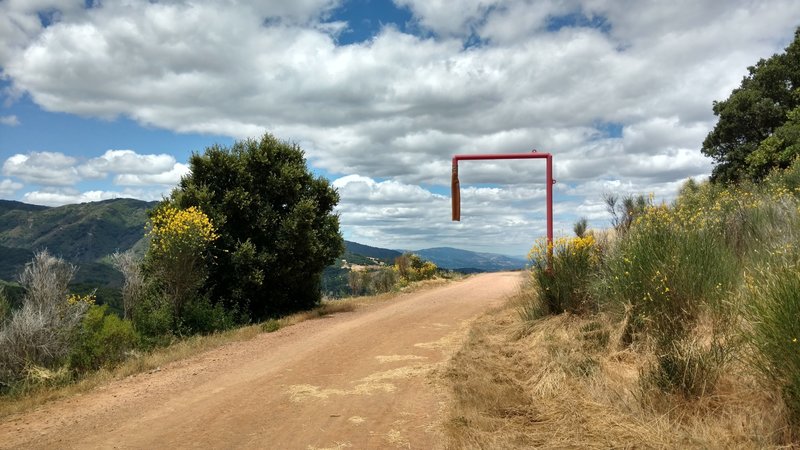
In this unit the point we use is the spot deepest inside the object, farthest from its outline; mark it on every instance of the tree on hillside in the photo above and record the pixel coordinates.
(754, 113)
(275, 221)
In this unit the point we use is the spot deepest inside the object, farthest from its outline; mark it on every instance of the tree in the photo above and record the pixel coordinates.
(277, 230)
(753, 113)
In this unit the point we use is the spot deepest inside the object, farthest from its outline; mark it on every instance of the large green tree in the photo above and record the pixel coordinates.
(275, 220)
(755, 112)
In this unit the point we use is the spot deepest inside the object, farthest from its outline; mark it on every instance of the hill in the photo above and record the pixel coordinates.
(381, 254)
(465, 260)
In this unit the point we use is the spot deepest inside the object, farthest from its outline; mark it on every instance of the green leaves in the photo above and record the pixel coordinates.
(275, 220)
(756, 130)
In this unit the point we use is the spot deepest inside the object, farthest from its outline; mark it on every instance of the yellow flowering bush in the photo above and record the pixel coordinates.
(75, 299)
(179, 239)
(173, 231)
(563, 284)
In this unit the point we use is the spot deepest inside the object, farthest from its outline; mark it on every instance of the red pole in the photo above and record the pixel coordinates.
(549, 189)
(456, 197)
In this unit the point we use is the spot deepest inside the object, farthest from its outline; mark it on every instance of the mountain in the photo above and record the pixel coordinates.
(82, 234)
(457, 259)
(382, 254)
(79, 233)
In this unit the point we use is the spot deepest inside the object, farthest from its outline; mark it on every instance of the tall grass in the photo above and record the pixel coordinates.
(713, 276)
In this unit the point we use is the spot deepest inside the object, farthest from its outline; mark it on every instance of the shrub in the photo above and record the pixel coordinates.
(200, 315)
(153, 319)
(276, 221)
(666, 272)
(772, 307)
(564, 285)
(271, 325)
(178, 243)
(134, 287)
(40, 332)
(103, 340)
(5, 306)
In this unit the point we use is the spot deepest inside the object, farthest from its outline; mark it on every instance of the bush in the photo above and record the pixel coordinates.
(666, 272)
(176, 257)
(276, 224)
(40, 332)
(134, 287)
(102, 341)
(153, 320)
(202, 316)
(772, 307)
(564, 286)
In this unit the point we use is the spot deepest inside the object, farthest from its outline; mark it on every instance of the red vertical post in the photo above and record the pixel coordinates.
(549, 189)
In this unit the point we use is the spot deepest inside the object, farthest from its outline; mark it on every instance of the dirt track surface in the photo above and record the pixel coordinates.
(365, 379)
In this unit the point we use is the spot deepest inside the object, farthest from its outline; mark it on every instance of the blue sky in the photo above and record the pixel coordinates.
(108, 99)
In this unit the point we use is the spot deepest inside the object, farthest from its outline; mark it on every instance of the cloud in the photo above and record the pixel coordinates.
(64, 196)
(8, 187)
(126, 162)
(11, 121)
(43, 168)
(619, 92)
(406, 216)
(169, 177)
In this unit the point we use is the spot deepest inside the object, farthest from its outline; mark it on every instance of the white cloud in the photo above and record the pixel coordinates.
(11, 121)
(65, 196)
(169, 177)
(8, 187)
(44, 168)
(397, 106)
(126, 162)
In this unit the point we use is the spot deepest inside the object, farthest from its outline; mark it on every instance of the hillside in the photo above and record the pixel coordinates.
(79, 233)
(382, 254)
(457, 259)
(86, 233)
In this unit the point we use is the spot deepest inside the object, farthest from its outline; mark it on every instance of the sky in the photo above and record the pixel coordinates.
(103, 99)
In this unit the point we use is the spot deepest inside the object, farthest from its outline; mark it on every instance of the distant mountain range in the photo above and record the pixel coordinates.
(467, 261)
(85, 234)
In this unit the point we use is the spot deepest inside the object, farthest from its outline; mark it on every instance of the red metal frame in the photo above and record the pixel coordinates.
(456, 192)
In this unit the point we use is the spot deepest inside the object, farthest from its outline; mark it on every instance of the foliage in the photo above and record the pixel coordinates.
(134, 287)
(200, 315)
(624, 210)
(5, 305)
(773, 307)
(580, 227)
(103, 340)
(757, 128)
(271, 325)
(410, 267)
(372, 281)
(178, 241)
(668, 270)
(41, 331)
(154, 320)
(277, 230)
(563, 284)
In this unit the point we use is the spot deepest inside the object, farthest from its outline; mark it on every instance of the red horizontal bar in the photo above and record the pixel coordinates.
(500, 156)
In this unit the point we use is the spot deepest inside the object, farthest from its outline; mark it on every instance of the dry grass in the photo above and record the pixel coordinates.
(565, 382)
(188, 347)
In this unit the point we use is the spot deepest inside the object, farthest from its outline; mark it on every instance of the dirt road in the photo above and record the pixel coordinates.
(364, 379)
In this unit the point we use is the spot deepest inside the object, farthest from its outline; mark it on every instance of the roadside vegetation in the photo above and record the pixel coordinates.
(681, 330)
(240, 245)
(679, 326)
(242, 240)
